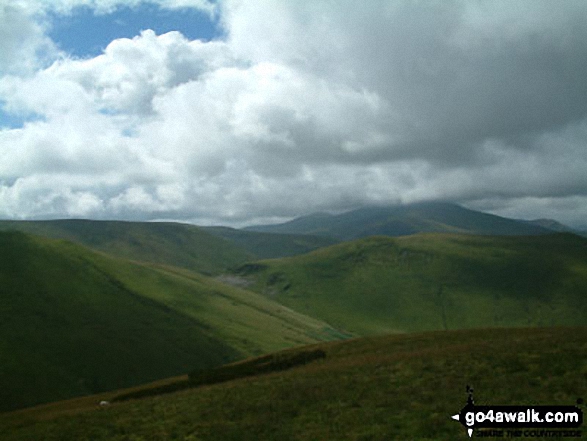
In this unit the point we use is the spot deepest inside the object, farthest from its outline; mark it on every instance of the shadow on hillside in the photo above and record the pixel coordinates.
(257, 366)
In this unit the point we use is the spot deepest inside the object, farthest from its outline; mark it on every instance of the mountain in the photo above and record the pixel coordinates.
(433, 281)
(75, 321)
(552, 225)
(270, 245)
(403, 220)
(209, 250)
(167, 243)
(403, 387)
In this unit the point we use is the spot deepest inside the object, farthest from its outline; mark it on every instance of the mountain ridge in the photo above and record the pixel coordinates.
(272, 245)
(210, 250)
(403, 220)
(554, 225)
(170, 243)
(429, 281)
(76, 321)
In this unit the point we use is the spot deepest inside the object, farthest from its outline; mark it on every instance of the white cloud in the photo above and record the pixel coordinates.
(108, 6)
(131, 72)
(48, 195)
(23, 43)
(305, 106)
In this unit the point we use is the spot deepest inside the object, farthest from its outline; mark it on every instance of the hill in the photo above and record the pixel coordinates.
(208, 250)
(390, 387)
(167, 243)
(74, 321)
(433, 281)
(271, 245)
(553, 225)
(403, 220)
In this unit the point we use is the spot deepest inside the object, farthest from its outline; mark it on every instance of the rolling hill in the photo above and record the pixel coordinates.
(433, 281)
(377, 388)
(74, 321)
(403, 220)
(129, 302)
(271, 245)
(167, 243)
(208, 250)
(553, 225)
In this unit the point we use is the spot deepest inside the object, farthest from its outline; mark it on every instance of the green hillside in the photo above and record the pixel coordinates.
(74, 321)
(168, 243)
(271, 245)
(402, 387)
(433, 281)
(403, 220)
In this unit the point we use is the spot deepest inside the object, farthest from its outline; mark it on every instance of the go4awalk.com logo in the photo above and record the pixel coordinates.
(520, 421)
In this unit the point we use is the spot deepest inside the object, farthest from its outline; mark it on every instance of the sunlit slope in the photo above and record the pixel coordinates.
(434, 281)
(248, 322)
(159, 242)
(74, 321)
(402, 387)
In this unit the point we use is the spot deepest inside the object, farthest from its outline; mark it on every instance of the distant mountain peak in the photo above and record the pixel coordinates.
(402, 220)
(550, 224)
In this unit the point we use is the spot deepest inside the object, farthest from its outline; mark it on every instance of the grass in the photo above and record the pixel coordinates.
(271, 245)
(167, 243)
(247, 321)
(433, 281)
(376, 388)
(274, 362)
(74, 322)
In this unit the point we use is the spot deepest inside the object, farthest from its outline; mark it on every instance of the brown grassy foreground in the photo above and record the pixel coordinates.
(391, 387)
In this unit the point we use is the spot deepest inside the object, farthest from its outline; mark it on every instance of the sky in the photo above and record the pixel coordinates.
(239, 112)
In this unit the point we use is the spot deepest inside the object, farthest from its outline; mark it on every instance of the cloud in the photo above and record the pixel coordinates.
(451, 72)
(23, 43)
(108, 6)
(131, 72)
(305, 106)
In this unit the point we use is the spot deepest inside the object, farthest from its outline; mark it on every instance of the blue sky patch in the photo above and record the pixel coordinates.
(16, 120)
(86, 34)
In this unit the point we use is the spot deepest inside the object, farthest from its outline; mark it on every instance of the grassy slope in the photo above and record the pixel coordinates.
(74, 321)
(434, 281)
(248, 322)
(271, 245)
(392, 387)
(159, 242)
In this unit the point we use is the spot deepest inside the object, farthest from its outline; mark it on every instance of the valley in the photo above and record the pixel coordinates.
(433, 281)
(75, 321)
(95, 310)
